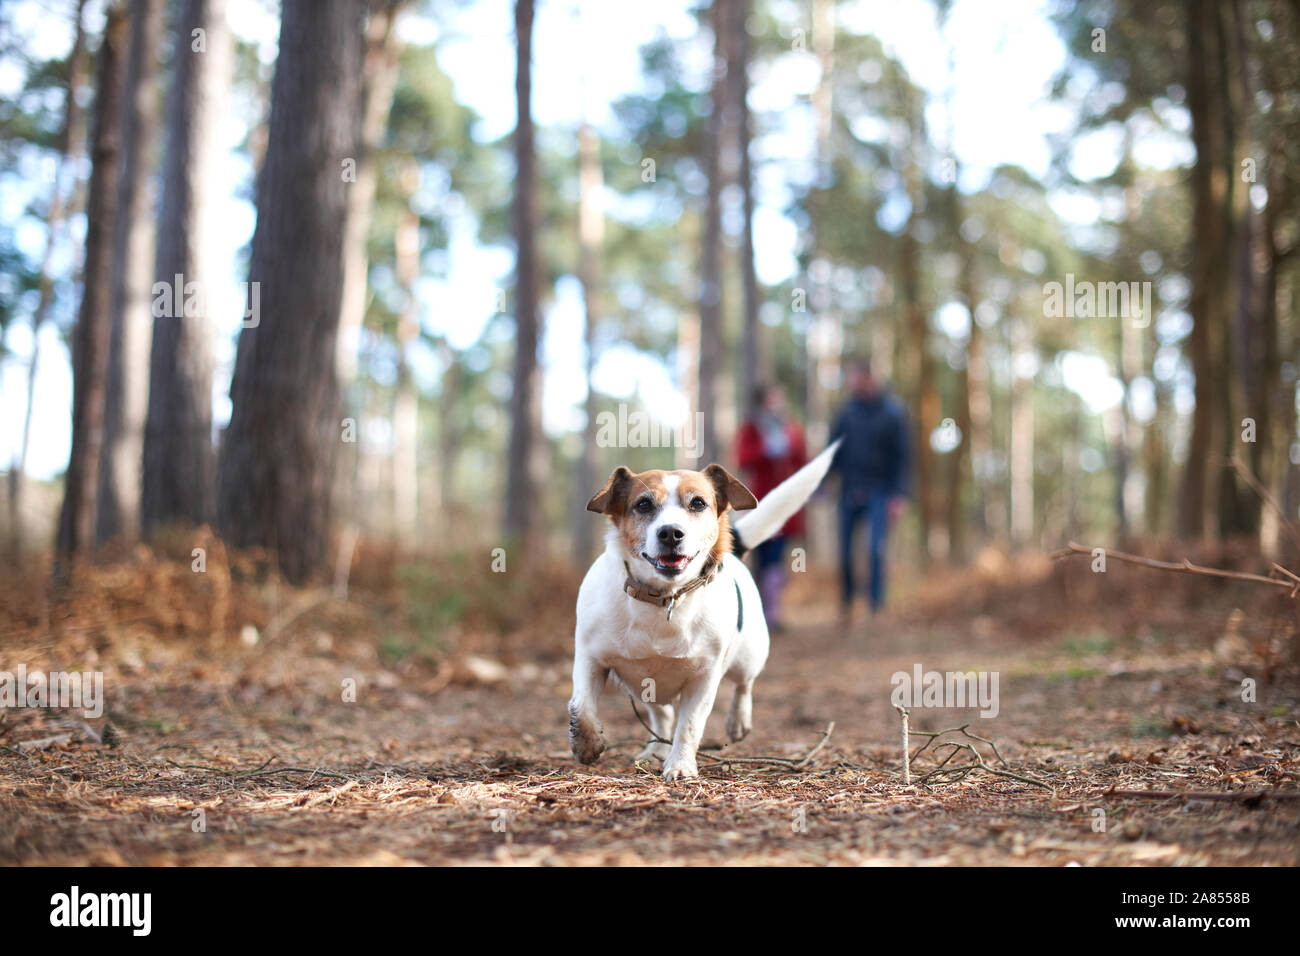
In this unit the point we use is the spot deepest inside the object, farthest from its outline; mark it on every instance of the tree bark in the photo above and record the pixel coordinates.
(591, 241)
(925, 404)
(1198, 504)
(276, 461)
(959, 459)
(1022, 440)
(752, 354)
(179, 463)
(383, 49)
(127, 385)
(521, 485)
(406, 402)
(76, 532)
(710, 295)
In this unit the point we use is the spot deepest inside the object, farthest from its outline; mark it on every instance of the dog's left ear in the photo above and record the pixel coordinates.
(611, 499)
(730, 489)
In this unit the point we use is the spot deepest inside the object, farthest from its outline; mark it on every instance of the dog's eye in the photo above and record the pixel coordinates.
(698, 504)
(645, 506)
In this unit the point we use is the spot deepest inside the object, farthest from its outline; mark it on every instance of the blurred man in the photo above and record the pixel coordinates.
(873, 467)
(769, 449)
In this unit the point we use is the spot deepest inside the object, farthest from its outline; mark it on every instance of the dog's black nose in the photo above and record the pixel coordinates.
(670, 534)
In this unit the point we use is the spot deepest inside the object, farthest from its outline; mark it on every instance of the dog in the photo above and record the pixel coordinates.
(669, 609)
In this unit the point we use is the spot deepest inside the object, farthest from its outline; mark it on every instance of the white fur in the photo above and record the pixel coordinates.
(674, 667)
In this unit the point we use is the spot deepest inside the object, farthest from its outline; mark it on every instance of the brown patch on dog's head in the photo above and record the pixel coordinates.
(660, 515)
(620, 499)
(612, 499)
(725, 492)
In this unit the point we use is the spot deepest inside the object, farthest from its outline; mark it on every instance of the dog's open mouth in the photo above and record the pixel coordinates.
(668, 564)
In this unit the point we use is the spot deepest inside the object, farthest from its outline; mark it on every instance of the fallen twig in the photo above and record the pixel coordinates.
(943, 773)
(1184, 567)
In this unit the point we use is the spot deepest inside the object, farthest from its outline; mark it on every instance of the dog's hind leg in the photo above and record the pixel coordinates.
(740, 715)
(661, 722)
(586, 739)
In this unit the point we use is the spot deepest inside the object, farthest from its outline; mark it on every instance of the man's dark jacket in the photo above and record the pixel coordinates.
(874, 456)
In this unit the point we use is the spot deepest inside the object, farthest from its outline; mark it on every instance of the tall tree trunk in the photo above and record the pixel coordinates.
(179, 464)
(753, 356)
(959, 459)
(1270, 461)
(126, 402)
(925, 405)
(406, 404)
(276, 461)
(1128, 337)
(992, 514)
(819, 364)
(63, 206)
(591, 240)
(383, 52)
(521, 484)
(76, 534)
(383, 49)
(1022, 440)
(711, 337)
(1198, 504)
(449, 437)
(688, 374)
(919, 366)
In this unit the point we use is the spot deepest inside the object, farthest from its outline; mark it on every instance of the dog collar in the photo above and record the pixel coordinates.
(644, 592)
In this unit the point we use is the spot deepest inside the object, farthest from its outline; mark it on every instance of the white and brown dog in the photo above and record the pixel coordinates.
(670, 609)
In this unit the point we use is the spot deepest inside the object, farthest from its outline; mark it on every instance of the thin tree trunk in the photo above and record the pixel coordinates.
(127, 385)
(64, 205)
(591, 240)
(752, 353)
(688, 374)
(711, 337)
(179, 464)
(276, 460)
(818, 336)
(1194, 508)
(1277, 430)
(959, 458)
(992, 515)
(406, 404)
(521, 486)
(1128, 336)
(1022, 441)
(76, 533)
(449, 437)
(383, 49)
(926, 398)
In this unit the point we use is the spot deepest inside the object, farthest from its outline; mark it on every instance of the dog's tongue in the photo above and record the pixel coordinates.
(677, 562)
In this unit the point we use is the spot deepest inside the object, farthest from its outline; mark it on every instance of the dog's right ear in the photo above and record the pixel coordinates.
(612, 499)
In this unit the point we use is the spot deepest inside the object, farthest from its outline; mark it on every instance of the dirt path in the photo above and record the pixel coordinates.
(480, 773)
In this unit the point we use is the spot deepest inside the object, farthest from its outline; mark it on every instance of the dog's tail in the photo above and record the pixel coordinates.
(780, 504)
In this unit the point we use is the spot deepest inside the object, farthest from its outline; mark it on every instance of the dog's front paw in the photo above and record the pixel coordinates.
(680, 770)
(585, 740)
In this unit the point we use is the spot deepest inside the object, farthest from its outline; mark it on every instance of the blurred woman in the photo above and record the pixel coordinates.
(769, 449)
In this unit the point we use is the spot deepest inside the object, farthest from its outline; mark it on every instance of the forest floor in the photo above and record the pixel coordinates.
(239, 750)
